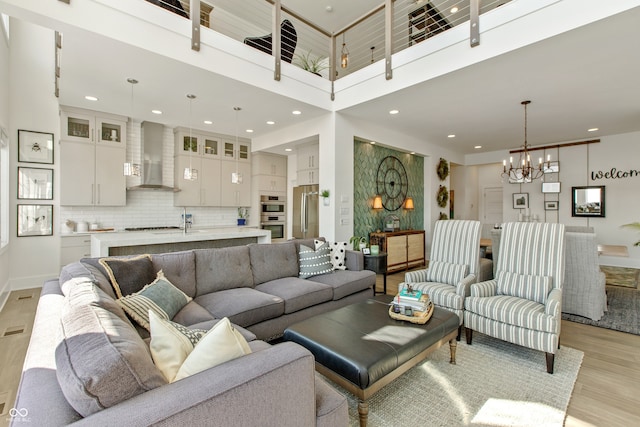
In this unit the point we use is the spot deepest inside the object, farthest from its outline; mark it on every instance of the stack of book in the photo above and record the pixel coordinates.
(412, 298)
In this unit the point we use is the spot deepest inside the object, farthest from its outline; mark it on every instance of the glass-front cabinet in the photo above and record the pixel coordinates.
(82, 127)
(237, 151)
(196, 143)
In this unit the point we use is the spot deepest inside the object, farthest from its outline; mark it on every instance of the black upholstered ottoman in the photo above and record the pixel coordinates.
(362, 349)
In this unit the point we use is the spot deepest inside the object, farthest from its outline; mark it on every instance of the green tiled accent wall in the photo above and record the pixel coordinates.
(367, 157)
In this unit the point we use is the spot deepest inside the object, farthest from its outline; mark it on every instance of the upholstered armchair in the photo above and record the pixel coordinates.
(453, 265)
(584, 291)
(522, 305)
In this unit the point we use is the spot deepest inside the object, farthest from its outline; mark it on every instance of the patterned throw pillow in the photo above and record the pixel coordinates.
(313, 263)
(129, 275)
(445, 272)
(534, 288)
(338, 253)
(160, 296)
(179, 352)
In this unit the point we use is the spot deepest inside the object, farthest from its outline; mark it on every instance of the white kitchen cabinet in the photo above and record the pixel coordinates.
(201, 144)
(74, 247)
(92, 156)
(308, 164)
(92, 175)
(269, 172)
(240, 151)
(93, 127)
(235, 194)
(203, 191)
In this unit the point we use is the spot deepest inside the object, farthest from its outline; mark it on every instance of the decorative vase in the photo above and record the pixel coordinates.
(242, 221)
(325, 201)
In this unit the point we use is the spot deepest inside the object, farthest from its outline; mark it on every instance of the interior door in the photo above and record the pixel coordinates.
(492, 208)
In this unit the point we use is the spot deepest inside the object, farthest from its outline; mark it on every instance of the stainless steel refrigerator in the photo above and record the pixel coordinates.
(305, 211)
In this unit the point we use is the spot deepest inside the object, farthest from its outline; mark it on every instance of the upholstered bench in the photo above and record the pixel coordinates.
(362, 349)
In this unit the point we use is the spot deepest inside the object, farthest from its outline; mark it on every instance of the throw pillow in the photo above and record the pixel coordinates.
(179, 353)
(129, 275)
(445, 272)
(315, 262)
(338, 254)
(100, 359)
(160, 296)
(531, 287)
(170, 344)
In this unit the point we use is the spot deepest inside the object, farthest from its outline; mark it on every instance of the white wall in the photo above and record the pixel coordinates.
(33, 107)
(4, 123)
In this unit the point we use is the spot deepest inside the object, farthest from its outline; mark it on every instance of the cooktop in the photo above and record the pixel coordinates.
(166, 227)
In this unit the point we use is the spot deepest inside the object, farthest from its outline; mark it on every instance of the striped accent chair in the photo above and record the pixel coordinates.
(523, 303)
(453, 265)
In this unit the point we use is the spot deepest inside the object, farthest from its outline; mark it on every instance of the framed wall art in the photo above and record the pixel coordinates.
(551, 205)
(588, 201)
(550, 187)
(35, 183)
(520, 200)
(35, 220)
(35, 147)
(551, 167)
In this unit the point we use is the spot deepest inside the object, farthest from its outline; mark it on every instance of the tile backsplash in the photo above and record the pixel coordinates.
(149, 209)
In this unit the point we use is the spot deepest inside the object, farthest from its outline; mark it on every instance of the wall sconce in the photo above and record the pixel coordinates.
(377, 202)
(344, 57)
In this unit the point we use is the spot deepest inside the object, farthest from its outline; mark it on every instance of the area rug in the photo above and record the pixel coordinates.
(494, 383)
(623, 312)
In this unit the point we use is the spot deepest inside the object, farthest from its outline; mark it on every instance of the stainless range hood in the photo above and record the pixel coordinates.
(151, 147)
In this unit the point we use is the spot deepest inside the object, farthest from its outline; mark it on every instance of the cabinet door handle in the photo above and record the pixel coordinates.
(98, 196)
(93, 194)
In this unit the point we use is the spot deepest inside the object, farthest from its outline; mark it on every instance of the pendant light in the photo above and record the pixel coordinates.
(130, 168)
(344, 58)
(190, 173)
(236, 177)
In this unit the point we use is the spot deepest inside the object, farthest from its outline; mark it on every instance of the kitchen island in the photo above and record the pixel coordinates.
(160, 241)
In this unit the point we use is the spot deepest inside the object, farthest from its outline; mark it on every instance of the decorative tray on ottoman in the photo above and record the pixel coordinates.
(420, 317)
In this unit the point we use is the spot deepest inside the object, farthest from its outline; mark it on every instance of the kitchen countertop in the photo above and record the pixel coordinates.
(102, 242)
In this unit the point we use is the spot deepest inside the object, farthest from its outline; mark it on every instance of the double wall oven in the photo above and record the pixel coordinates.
(273, 214)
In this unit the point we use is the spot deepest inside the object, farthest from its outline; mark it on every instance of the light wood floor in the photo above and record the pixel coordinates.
(606, 391)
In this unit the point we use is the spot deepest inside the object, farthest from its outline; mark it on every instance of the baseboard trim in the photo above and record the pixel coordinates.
(29, 282)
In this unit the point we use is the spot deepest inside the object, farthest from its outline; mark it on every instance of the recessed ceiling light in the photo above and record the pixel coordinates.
(478, 147)
(271, 122)
(156, 112)
(208, 122)
(288, 149)
(451, 136)
(249, 131)
(329, 9)
(592, 129)
(394, 112)
(454, 9)
(372, 142)
(413, 152)
(90, 98)
(296, 112)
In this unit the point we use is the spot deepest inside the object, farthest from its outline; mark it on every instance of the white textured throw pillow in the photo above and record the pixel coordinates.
(338, 254)
(179, 352)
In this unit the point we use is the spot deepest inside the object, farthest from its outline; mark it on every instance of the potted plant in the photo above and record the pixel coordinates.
(243, 214)
(635, 225)
(358, 242)
(325, 197)
(313, 64)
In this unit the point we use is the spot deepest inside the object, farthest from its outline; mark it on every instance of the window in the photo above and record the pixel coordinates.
(4, 188)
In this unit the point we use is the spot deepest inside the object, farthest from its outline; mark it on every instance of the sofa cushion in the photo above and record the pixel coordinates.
(170, 344)
(243, 306)
(531, 287)
(222, 268)
(179, 268)
(297, 293)
(338, 253)
(101, 276)
(101, 360)
(191, 314)
(273, 261)
(78, 269)
(347, 282)
(248, 335)
(160, 296)
(314, 262)
(446, 272)
(129, 275)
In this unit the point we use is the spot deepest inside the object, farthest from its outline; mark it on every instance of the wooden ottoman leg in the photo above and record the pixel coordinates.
(363, 412)
(453, 345)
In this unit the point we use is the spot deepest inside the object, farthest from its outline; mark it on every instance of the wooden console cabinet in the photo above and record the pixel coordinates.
(405, 248)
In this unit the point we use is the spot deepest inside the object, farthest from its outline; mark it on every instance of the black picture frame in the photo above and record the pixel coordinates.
(35, 220)
(588, 201)
(35, 183)
(520, 200)
(35, 147)
(551, 205)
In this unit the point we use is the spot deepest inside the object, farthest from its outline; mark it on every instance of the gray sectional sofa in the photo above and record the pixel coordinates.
(102, 372)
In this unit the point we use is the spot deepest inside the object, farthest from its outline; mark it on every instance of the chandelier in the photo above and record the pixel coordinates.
(523, 171)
